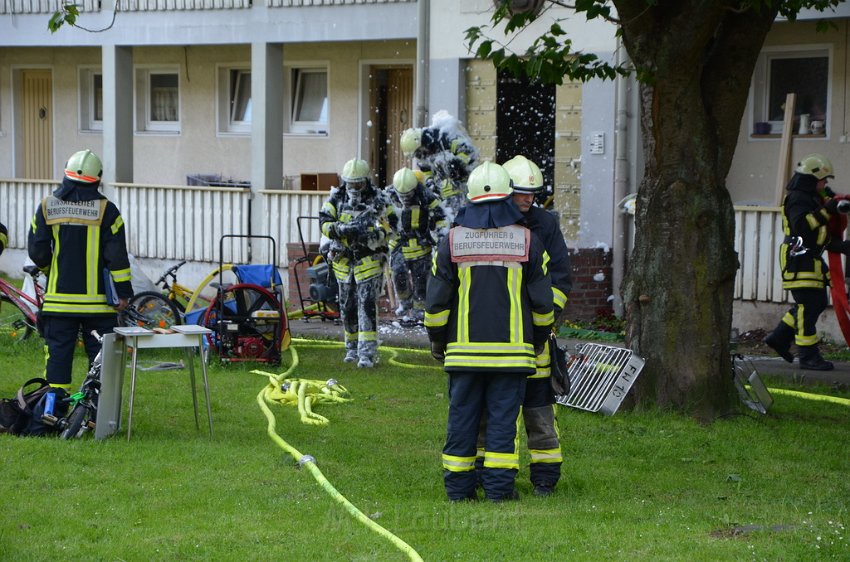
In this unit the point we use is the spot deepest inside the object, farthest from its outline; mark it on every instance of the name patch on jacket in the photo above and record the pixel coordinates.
(507, 243)
(57, 211)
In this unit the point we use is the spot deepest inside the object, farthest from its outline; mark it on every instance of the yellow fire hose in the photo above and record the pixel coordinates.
(810, 396)
(332, 393)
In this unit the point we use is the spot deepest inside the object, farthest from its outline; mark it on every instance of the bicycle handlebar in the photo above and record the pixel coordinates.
(172, 271)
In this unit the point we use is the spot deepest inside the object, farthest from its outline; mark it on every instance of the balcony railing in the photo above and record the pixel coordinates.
(45, 6)
(187, 222)
(50, 6)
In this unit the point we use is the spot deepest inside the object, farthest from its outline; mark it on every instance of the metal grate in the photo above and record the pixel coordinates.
(600, 377)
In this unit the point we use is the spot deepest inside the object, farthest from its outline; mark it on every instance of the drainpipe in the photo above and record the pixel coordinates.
(621, 242)
(422, 60)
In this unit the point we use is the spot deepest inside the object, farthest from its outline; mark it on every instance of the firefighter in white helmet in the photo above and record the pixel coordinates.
(422, 223)
(488, 314)
(78, 240)
(808, 206)
(358, 220)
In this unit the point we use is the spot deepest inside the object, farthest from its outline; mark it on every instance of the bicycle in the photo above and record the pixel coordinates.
(82, 405)
(18, 310)
(176, 304)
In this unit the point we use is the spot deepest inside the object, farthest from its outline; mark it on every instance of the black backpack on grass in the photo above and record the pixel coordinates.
(21, 415)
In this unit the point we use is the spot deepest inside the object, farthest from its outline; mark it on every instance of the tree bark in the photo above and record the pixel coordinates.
(699, 57)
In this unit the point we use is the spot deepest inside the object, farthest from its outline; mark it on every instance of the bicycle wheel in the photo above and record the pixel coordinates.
(150, 310)
(13, 322)
(76, 423)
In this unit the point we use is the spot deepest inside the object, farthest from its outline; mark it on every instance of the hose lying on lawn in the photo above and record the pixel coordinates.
(393, 351)
(266, 396)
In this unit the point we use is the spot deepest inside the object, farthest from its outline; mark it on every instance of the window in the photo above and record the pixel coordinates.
(234, 100)
(157, 100)
(91, 99)
(309, 101)
(805, 72)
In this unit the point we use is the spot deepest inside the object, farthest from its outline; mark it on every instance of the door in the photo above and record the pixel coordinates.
(37, 124)
(391, 103)
(525, 123)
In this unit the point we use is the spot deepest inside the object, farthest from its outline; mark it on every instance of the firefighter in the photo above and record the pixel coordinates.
(358, 219)
(422, 222)
(488, 315)
(4, 234)
(78, 240)
(538, 409)
(806, 210)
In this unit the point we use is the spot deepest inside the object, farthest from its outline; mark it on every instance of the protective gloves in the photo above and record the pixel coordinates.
(831, 205)
(438, 351)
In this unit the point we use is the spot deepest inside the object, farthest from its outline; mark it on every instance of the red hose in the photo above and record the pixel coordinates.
(837, 225)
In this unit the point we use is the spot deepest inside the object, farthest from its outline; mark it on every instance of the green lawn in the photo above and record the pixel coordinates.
(636, 486)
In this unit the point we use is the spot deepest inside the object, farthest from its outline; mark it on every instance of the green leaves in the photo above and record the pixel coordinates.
(68, 14)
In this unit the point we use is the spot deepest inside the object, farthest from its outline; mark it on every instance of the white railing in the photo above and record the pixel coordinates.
(176, 222)
(758, 233)
(44, 6)
(180, 5)
(172, 222)
(299, 3)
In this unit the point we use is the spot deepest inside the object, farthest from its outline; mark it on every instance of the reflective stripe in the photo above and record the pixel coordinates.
(77, 308)
(435, 319)
(116, 226)
(519, 363)
(350, 336)
(546, 455)
(514, 285)
(458, 464)
(503, 348)
(546, 260)
(559, 299)
(464, 277)
(120, 275)
(501, 460)
(542, 319)
(367, 336)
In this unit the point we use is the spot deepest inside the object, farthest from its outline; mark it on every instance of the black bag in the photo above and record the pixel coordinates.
(560, 378)
(16, 413)
(37, 425)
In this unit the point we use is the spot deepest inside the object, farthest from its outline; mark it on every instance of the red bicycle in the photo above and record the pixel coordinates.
(18, 309)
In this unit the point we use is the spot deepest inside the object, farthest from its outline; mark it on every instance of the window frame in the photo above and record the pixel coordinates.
(294, 87)
(87, 99)
(225, 102)
(760, 89)
(144, 124)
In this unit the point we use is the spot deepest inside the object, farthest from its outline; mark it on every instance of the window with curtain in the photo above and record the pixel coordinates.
(164, 97)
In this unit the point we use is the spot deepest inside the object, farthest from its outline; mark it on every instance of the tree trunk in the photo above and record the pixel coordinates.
(678, 290)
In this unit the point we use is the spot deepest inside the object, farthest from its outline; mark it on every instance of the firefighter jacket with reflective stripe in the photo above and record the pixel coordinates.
(804, 216)
(545, 225)
(359, 224)
(422, 222)
(74, 240)
(489, 311)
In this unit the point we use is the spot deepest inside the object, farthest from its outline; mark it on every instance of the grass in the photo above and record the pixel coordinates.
(637, 486)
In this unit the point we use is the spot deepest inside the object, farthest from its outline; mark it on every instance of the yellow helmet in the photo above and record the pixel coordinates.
(411, 139)
(405, 181)
(84, 166)
(816, 165)
(355, 169)
(525, 174)
(488, 182)
(420, 176)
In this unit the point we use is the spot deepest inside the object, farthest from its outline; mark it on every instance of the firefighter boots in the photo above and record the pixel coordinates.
(780, 340)
(812, 360)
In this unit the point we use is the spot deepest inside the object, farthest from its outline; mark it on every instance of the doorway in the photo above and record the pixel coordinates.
(525, 123)
(390, 112)
(36, 124)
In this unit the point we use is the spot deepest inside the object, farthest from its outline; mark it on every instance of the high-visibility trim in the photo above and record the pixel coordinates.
(62, 386)
(546, 260)
(3, 239)
(788, 320)
(492, 348)
(436, 319)
(116, 226)
(559, 298)
(434, 264)
(501, 460)
(367, 336)
(70, 308)
(546, 455)
(329, 208)
(120, 275)
(465, 281)
(479, 453)
(75, 298)
(813, 221)
(350, 336)
(81, 177)
(478, 361)
(92, 252)
(514, 278)
(458, 464)
(542, 319)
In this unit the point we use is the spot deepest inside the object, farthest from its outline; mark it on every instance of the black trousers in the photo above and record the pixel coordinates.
(60, 338)
(803, 316)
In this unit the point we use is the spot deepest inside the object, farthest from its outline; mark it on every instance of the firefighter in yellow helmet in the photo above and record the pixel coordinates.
(808, 206)
(78, 240)
(358, 219)
(538, 409)
(488, 315)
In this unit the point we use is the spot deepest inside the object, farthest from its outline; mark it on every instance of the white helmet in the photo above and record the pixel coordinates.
(411, 139)
(355, 169)
(525, 174)
(488, 182)
(84, 166)
(405, 181)
(816, 165)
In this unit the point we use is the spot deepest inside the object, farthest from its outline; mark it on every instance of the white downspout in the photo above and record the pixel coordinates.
(422, 60)
(621, 242)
